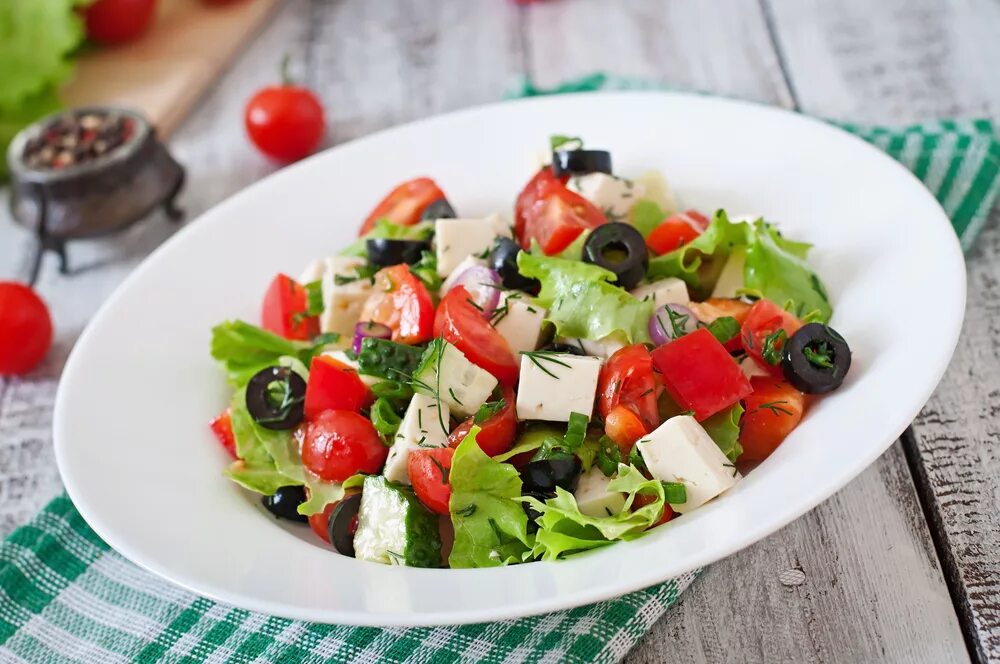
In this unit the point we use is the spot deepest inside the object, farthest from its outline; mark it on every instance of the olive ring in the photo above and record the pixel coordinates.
(280, 411)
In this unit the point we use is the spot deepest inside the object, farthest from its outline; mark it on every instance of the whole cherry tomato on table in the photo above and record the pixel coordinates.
(118, 21)
(25, 329)
(285, 121)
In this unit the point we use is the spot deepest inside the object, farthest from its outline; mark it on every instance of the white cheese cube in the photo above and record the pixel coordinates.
(680, 450)
(456, 239)
(342, 303)
(602, 348)
(731, 277)
(554, 385)
(658, 191)
(469, 261)
(341, 356)
(461, 384)
(613, 195)
(752, 368)
(666, 291)
(519, 321)
(592, 495)
(313, 272)
(420, 428)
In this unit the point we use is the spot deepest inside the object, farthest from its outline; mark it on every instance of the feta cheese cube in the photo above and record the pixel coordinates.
(731, 277)
(342, 357)
(602, 348)
(680, 450)
(519, 321)
(752, 368)
(469, 261)
(666, 291)
(313, 272)
(342, 303)
(420, 428)
(658, 191)
(592, 495)
(461, 384)
(456, 239)
(614, 195)
(554, 385)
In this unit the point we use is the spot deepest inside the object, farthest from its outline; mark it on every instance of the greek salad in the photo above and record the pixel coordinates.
(454, 391)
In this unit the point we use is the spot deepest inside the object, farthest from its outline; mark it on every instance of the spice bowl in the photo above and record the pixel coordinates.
(88, 172)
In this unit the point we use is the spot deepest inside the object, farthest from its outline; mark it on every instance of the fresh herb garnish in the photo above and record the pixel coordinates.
(635, 459)
(451, 393)
(674, 492)
(730, 465)
(771, 347)
(775, 408)
(488, 410)
(538, 356)
(558, 141)
(361, 272)
(396, 558)
(724, 328)
(441, 468)
(608, 456)
(314, 298)
(468, 510)
(819, 355)
(474, 303)
(677, 322)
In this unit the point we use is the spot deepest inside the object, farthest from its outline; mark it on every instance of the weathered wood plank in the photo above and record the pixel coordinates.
(905, 61)
(872, 587)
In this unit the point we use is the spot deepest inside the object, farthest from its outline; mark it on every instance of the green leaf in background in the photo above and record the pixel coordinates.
(386, 229)
(646, 215)
(693, 261)
(244, 349)
(724, 429)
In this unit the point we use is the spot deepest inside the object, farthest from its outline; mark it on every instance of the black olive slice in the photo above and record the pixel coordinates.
(816, 359)
(383, 252)
(284, 503)
(531, 512)
(276, 398)
(344, 523)
(503, 259)
(439, 209)
(580, 162)
(619, 248)
(545, 475)
(571, 349)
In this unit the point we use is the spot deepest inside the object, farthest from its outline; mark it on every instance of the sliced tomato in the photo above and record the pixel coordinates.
(557, 217)
(401, 301)
(717, 307)
(334, 386)
(404, 204)
(285, 308)
(699, 374)
(627, 378)
(623, 426)
(642, 499)
(463, 325)
(773, 409)
(528, 196)
(340, 443)
(496, 434)
(222, 427)
(320, 522)
(676, 231)
(760, 334)
(428, 470)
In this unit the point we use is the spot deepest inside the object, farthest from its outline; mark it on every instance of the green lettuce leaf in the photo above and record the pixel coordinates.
(581, 301)
(321, 494)
(724, 429)
(244, 349)
(259, 478)
(384, 228)
(491, 528)
(775, 268)
(699, 261)
(646, 215)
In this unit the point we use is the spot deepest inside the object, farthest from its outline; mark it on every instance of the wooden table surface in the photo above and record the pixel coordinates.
(901, 565)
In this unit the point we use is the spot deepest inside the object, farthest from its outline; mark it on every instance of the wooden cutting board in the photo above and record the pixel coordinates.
(165, 72)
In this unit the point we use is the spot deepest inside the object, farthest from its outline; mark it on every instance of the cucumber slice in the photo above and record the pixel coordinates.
(394, 528)
(446, 373)
(387, 359)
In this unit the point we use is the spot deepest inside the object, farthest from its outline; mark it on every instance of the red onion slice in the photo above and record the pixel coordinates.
(670, 322)
(366, 329)
(484, 286)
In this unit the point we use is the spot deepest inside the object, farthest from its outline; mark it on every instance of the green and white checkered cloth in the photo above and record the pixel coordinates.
(66, 596)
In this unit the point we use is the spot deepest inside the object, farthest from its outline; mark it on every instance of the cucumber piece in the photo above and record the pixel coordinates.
(387, 359)
(446, 373)
(394, 528)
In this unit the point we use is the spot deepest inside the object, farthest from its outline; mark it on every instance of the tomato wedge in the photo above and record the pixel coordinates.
(760, 334)
(404, 204)
(773, 409)
(624, 427)
(284, 310)
(334, 386)
(676, 231)
(496, 434)
(428, 470)
(401, 301)
(627, 378)
(528, 196)
(463, 325)
(222, 427)
(320, 522)
(557, 217)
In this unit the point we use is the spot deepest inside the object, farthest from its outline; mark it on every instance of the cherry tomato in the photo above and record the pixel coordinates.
(320, 522)
(773, 409)
(25, 329)
(527, 198)
(118, 21)
(627, 378)
(285, 121)
(334, 386)
(402, 302)
(463, 325)
(676, 231)
(759, 333)
(699, 374)
(405, 204)
(557, 217)
(222, 427)
(428, 470)
(496, 435)
(642, 499)
(284, 310)
(340, 443)
(624, 427)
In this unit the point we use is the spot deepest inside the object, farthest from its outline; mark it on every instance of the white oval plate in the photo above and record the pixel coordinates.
(131, 416)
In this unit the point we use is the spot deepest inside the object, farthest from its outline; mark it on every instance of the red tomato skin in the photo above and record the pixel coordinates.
(118, 21)
(334, 386)
(700, 375)
(557, 217)
(463, 325)
(496, 435)
(320, 522)
(340, 443)
(627, 378)
(405, 204)
(677, 230)
(623, 426)
(25, 329)
(222, 426)
(527, 198)
(284, 310)
(641, 500)
(401, 301)
(285, 122)
(765, 318)
(431, 487)
(763, 429)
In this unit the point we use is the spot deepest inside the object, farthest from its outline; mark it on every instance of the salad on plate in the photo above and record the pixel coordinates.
(469, 392)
